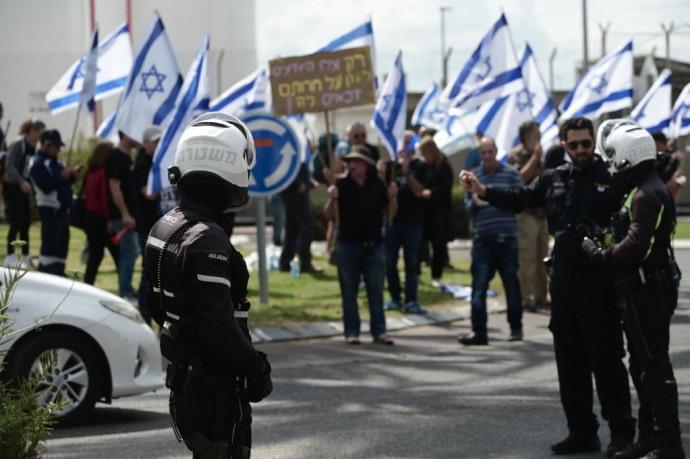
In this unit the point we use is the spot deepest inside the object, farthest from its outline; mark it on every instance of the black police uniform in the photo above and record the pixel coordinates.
(585, 321)
(647, 279)
(197, 293)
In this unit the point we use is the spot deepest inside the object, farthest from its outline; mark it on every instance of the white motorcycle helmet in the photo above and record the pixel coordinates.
(605, 130)
(625, 146)
(216, 145)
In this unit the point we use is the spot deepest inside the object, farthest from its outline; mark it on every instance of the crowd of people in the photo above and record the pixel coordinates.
(611, 214)
(118, 213)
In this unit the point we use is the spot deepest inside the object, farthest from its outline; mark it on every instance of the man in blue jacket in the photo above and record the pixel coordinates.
(52, 181)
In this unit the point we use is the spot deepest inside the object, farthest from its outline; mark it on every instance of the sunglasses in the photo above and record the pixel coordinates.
(359, 136)
(587, 143)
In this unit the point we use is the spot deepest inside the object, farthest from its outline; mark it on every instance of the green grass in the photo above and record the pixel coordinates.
(309, 298)
(682, 230)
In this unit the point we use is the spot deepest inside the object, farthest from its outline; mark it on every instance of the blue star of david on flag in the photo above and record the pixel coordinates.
(386, 102)
(152, 82)
(525, 100)
(481, 73)
(598, 84)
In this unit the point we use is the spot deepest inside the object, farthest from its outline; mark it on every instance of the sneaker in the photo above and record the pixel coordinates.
(516, 336)
(392, 305)
(473, 339)
(436, 283)
(11, 261)
(575, 444)
(131, 300)
(414, 308)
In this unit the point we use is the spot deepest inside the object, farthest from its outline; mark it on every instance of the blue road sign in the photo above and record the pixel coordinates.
(277, 154)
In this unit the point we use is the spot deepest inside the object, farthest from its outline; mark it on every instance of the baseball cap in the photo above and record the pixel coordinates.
(52, 136)
(153, 133)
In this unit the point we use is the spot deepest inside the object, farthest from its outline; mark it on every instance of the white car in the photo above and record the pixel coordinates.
(103, 347)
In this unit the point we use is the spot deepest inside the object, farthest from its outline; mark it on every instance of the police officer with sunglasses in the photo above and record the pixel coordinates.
(585, 320)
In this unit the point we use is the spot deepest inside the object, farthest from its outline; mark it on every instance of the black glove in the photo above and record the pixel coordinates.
(594, 251)
(259, 387)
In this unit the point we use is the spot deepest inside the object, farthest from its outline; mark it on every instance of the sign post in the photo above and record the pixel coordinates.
(278, 159)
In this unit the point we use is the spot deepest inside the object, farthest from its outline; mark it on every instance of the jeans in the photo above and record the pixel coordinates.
(488, 256)
(354, 262)
(299, 230)
(410, 238)
(129, 251)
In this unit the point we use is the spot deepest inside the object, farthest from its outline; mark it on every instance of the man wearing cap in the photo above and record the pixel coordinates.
(145, 205)
(52, 181)
(362, 199)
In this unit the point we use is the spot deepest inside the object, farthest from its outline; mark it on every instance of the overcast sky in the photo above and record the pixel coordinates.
(293, 27)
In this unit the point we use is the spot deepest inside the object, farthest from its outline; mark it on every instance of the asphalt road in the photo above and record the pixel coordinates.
(424, 397)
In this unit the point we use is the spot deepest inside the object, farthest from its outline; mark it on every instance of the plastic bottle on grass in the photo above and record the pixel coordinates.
(294, 267)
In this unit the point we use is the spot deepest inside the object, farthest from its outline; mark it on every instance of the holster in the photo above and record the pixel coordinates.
(662, 279)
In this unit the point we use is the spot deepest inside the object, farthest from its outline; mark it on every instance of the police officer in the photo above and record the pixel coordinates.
(585, 321)
(647, 279)
(197, 292)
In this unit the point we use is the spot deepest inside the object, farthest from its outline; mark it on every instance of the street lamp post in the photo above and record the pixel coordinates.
(444, 55)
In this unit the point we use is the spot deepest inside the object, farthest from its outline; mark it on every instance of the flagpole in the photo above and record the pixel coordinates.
(74, 133)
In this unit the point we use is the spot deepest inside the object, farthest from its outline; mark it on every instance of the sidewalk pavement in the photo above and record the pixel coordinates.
(245, 237)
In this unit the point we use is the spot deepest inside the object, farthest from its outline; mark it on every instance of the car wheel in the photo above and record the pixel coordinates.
(72, 375)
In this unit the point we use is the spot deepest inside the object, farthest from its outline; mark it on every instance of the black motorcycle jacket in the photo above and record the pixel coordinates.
(647, 219)
(197, 290)
(572, 198)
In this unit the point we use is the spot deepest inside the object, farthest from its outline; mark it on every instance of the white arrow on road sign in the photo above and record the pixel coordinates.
(286, 154)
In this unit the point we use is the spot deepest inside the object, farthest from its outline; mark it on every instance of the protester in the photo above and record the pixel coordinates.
(405, 229)
(357, 136)
(118, 171)
(494, 246)
(585, 320)
(668, 163)
(52, 182)
(362, 199)
(437, 178)
(647, 279)
(299, 223)
(97, 215)
(198, 294)
(533, 232)
(145, 206)
(17, 188)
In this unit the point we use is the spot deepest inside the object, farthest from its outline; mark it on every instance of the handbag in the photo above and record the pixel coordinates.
(77, 210)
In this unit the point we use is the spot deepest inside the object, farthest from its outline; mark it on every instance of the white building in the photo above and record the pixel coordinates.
(40, 39)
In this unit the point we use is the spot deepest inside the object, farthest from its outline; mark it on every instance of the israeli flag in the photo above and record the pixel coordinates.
(680, 121)
(88, 90)
(653, 112)
(192, 101)
(114, 64)
(428, 111)
(391, 109)
(540, 100)
(152, 86)
(501, 119)
(251, 93)
(492, 72)
(606, 87)
(362, 35)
